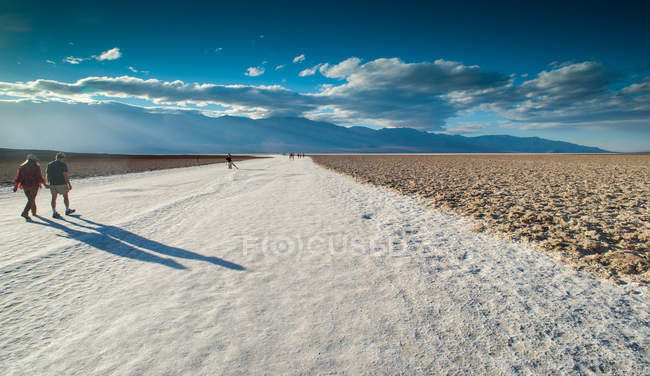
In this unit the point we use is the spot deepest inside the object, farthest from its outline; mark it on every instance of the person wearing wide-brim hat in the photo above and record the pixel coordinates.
(29, 178)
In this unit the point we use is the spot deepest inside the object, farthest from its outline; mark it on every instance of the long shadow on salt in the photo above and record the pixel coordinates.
(122, 243)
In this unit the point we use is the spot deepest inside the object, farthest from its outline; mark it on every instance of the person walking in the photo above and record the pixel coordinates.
(29, 177)
(229, 160)
(57, 176)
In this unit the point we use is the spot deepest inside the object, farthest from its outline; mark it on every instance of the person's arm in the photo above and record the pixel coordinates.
(47, 173)
(43, 179)
(17, 180)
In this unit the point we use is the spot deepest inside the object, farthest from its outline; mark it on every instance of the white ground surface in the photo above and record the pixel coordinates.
(284, 267)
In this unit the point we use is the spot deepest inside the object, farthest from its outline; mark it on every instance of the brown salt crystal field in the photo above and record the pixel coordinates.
(590, 211)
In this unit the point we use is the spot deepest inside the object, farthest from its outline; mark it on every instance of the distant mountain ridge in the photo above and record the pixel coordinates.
(119, 128)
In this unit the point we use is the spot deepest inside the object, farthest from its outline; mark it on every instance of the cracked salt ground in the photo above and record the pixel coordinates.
(587, 210)
(274, 269)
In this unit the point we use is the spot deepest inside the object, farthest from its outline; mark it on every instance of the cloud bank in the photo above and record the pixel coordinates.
(390, 92)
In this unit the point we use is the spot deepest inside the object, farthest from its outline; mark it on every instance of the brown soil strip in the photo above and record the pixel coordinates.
(83, 165)
(587, 210)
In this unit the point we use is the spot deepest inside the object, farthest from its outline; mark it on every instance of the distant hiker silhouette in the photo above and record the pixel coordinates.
(230, 162)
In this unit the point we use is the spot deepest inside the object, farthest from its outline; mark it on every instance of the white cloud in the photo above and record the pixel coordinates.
(299, 59)
(270, 100)
(280, 67)
(132, 69)
(74, 60)
(50, 62)
(467, 128)
(310, 71)
(254, 71)
(572, 93)
(641, 87)
(112, 54)
(323, 68)
(575, 80)
(342, 69)
(390, 92)
(211, 50)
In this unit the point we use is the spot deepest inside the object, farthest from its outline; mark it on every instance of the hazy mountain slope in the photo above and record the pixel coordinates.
(119, 128)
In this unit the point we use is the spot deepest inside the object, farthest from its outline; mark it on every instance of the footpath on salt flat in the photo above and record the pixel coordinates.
(283, 267)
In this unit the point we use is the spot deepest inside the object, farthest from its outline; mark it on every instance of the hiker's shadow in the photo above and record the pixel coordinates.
(123, 243)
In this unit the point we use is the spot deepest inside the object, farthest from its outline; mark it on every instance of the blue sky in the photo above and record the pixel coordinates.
(575, 72)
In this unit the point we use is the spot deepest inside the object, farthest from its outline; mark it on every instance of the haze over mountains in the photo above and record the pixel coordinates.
(118, 128)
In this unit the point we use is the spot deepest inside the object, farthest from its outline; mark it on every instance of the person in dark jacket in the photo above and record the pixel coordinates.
(57, 175)
(29, 178)
(229, 160)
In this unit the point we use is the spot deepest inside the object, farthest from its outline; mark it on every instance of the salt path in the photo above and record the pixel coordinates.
(283, 267)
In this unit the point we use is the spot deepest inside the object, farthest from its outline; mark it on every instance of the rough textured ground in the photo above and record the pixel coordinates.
(85, 165)
(284, 267)
(588, 210)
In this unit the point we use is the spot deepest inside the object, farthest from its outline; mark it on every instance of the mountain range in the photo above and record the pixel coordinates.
(119, 128)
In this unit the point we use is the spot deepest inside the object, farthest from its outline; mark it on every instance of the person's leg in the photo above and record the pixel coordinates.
(53, 200)
(34, 202)
(66, 201)
(28, 206)
(31, 197)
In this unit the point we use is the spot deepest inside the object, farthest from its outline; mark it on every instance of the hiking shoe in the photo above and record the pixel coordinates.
(69, 211)
(56, 215)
